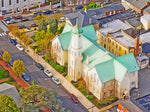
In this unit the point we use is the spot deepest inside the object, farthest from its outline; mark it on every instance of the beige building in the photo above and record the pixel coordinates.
(105, 75)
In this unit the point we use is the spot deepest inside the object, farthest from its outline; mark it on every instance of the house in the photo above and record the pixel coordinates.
(137, 5)
(18, 5)
(105, 75)
(83, 17)
(146, 11)
(105, 11)
(10, 90)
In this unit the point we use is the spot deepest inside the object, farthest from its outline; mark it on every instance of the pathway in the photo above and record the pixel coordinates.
(3, 80)
(17, 79)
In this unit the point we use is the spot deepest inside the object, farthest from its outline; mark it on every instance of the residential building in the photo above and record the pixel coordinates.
(18, 5)
(105, 75)
(145, 20)
(137, 5)
(10, 90)
(83, 17)
(105, 11)
(114, 38)
(146, 11)
(68, 3)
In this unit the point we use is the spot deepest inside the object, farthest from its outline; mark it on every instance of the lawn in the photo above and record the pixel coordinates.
(1, 71)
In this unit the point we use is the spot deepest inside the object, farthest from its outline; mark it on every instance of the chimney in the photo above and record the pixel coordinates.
(90, 20)
(136, 47)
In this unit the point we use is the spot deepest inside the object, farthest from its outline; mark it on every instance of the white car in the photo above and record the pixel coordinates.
(19, 47)
(48, 73)
(56, 80)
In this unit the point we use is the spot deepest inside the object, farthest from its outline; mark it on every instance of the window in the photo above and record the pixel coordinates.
(9, 2)
(102, 43)
(132, 84)
(112, 50)
(116, 54)
(2, 3)
(116, 46)
(125, 52)
(120, 48)
(24, 0)
(111, 91)
(112, 43)
(105, 84)
(109, 48)
(105, 39)
(17, 1)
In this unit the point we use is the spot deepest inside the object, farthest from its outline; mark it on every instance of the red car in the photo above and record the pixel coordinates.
(17, 17)
(74, 98)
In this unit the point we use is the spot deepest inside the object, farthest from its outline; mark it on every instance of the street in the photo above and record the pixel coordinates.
(38, 76)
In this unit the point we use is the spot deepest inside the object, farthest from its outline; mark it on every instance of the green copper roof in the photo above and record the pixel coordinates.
(89, 32)
(129, 62)
(76, 30)
(106, 71)
(64, 39)
(67, 28)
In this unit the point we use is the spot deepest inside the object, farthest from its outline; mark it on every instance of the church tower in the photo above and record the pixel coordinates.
(75, 57)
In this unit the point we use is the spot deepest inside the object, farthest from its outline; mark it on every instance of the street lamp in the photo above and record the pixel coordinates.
(92, 102)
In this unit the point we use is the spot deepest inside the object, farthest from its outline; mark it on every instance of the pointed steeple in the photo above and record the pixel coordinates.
(76, 29)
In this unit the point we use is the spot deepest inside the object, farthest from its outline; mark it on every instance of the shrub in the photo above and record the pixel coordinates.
(106, 101)
(64, 74)
(11, 79)
(72, 81)
(83, 91)
(91, 98)
(5, 74)
(75, 84)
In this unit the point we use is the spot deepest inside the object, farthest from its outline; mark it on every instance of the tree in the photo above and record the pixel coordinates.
(38, 18)
(53, 25)
(42, 25)
(6, 57)
(35, 97)
(7, 104)
(56, 16)
(18, 67)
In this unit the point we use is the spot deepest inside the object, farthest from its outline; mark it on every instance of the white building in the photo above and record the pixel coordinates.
(18, 5)
(145, 20)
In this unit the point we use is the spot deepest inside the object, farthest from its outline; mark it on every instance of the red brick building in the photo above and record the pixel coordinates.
(79, 2)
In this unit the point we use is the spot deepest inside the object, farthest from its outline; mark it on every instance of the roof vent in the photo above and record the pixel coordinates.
(119, 36)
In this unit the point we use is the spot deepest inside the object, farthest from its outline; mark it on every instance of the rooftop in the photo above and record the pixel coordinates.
(145, 37)
(113, 26)
(11, 91)
(123, 38)
(146, 17)
(134, 22)
(138, 3)
(147, 9)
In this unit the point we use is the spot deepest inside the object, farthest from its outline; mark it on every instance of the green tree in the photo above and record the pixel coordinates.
(35, 97)
(53, 25)
(42, 25)
(7, 104)
(35, 5)
(18, 67)
(6, 57)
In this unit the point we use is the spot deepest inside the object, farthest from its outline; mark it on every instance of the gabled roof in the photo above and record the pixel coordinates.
(64, 39)
(129, 62)
(11, 91)
(84, 18)
(138, 3)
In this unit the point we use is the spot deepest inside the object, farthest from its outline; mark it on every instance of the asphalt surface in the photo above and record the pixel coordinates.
(38, 76)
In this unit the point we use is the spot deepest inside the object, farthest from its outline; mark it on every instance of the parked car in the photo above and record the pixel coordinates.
(79, 7)
(7, 19)
(58, 6)
(39, 66)
(11, 62)
(55, 80)
(48, 73)
(73, 97)
(12, 21)
(37, 13)
(13, 41)
(48, 12)
(17, 17)
(19, 47)
(56, 11)
(25, 77)
(21, 26)
(24, 19)
(34, 24)
(149, 65)
(62, 19)
(1, 53)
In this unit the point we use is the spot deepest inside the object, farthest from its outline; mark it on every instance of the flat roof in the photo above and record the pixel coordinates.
(123, 39)
(135, 22)
(147, 9)
(146, 17)
(145, 37)
(113, 26)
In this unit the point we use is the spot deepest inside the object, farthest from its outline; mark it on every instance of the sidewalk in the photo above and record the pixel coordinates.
(3, 80)
(17, 79)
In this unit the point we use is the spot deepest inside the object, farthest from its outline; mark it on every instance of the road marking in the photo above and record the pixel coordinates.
(3, 34)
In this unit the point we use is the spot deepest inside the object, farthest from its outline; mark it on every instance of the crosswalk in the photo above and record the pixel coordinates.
(3, 34)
